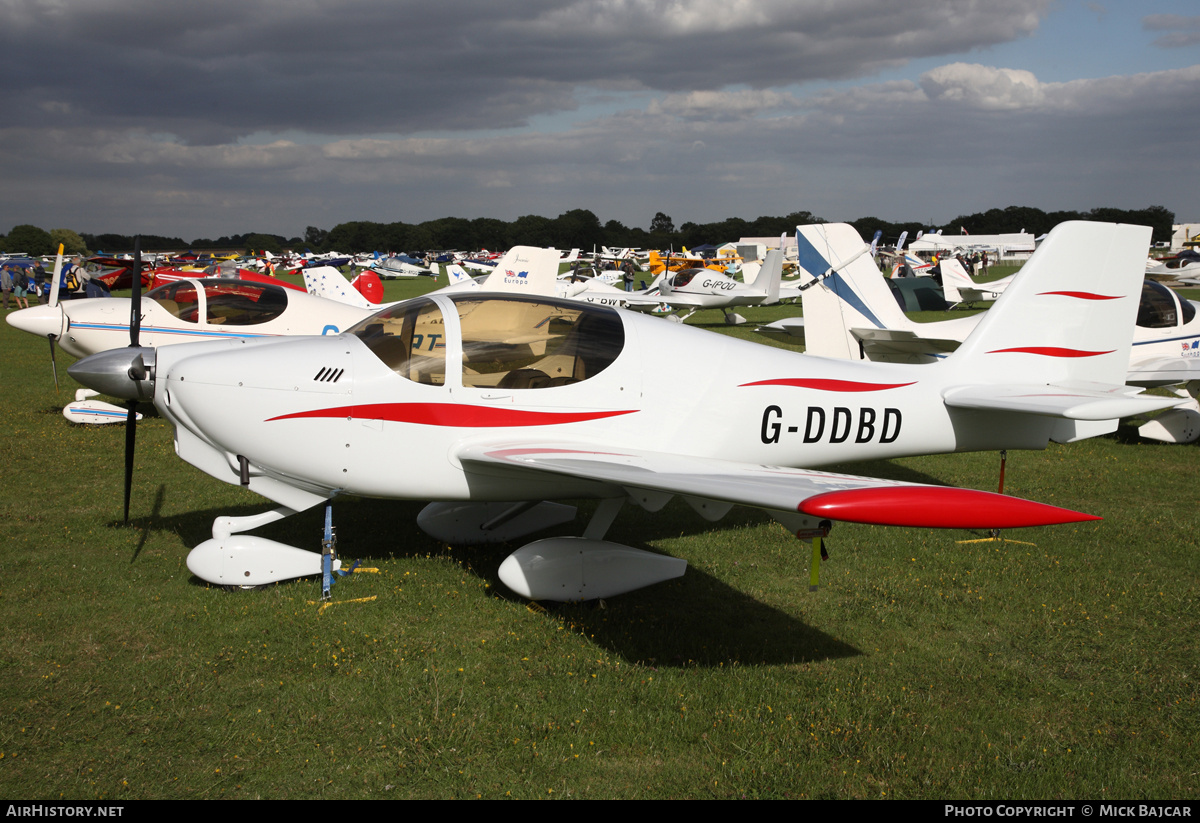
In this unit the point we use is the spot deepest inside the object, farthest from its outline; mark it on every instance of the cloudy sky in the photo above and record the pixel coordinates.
(203, 119)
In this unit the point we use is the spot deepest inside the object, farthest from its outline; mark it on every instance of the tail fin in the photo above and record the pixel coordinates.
(851, 293)
(525, 269)
(328, 282)
(954, 277)
(750, 270)
(1068, 317)
(369, 286)
(456, 274)
(770, 276)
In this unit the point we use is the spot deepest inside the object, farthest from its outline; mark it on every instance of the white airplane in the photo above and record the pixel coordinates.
(186, 311)
(179, 312)
(491, 403)
(522, 270)
(636, 256)
(959, 287)
(695, 289)
(691, 289)
(1184, 267)
(400, 265)
(852, 315)
(602, 290)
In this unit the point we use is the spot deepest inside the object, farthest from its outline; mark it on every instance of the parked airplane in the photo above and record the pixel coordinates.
(523, 269)
(685, 260)
(695, 289)
(479, 400)
(959, 287)
(852, 315)
(186, 311)
(400, 265)
(1184, 267)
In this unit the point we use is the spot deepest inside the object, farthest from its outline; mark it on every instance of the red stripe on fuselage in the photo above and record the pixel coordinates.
(1083, 295)
(451, 414)
(1051, 351)
(827, 385)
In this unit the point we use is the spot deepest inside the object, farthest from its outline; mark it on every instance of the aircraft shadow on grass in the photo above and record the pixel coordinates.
(697, 620)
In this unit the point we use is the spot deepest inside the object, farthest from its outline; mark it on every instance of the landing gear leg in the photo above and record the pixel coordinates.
(817, 536)
(606, 512)
(328, 553)
(810, 530)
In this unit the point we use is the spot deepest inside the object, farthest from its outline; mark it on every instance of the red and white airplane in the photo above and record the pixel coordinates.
(852, 315)
(494, 403)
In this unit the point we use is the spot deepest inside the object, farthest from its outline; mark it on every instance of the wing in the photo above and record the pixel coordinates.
(884, 342)
(1163, 371)
(823, 495)
(677, 299)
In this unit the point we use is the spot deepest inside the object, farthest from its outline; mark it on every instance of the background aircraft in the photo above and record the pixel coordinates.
(695, 289)
(186, 311)
(852, 315)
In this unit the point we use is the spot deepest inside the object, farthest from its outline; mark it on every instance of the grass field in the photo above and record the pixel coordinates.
(923, 668)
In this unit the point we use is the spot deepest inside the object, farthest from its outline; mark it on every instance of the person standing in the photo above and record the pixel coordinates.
(6, 283)
(40, 285)
(20, 285)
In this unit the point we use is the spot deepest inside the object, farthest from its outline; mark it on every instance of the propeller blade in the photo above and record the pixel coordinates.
(130, 439)
(54, 284)
(137, 369)
(53, 364)
(135, 310)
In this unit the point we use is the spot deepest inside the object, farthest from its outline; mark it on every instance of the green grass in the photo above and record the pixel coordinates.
(922, 668)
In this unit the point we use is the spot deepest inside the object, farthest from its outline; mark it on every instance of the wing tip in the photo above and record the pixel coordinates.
(937, 507)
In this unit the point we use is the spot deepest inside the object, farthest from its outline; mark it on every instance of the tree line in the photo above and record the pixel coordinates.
(578, 228)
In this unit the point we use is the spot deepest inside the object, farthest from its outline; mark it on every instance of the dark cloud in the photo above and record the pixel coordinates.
(125, 117)
(966, 137)
(1185, 31)
(210, 72)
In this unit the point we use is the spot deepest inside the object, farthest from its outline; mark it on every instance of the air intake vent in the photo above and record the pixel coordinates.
(328, 375)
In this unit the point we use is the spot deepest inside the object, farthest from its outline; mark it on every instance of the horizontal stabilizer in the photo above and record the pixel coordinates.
(903, 341)
(790, 328)
(1074, 403)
